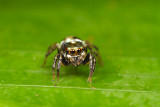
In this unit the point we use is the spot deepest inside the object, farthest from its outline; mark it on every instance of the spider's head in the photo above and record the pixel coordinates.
(74, 50)
(75, 55)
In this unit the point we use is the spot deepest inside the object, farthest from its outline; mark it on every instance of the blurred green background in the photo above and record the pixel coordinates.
(127, 33)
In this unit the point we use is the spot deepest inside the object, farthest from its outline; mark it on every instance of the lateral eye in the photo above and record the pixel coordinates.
(67, 51)
(72, 52)
(83, 49)
(79, 51)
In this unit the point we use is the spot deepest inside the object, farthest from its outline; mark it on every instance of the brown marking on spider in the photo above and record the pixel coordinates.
(73, 51)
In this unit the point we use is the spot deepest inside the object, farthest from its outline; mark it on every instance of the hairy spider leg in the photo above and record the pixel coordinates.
(58, 67)
(92, 62)
(54, 65)
(49, 51)
(90, 46)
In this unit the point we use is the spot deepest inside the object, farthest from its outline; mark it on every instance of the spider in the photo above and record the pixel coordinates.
(73, 50)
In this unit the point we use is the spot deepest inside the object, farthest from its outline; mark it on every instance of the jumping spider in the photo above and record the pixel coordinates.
(73, 51)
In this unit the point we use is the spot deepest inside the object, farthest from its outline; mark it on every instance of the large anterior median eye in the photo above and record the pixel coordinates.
(72, 51)
(79, 51)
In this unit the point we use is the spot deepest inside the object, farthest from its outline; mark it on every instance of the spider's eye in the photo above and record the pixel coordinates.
(72, 52)
(83, 49)
(67, 51)
(79, 51)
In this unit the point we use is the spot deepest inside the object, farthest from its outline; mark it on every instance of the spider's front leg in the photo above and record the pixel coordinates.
(54, 64)
(49, 51)
(61, 60)
(92, 62)
(58, 67)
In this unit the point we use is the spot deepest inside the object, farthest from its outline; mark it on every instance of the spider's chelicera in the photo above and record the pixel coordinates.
(73, 51)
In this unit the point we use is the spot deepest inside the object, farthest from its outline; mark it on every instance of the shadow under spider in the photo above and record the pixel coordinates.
(81, 70)
(70, 70)
(108, 73)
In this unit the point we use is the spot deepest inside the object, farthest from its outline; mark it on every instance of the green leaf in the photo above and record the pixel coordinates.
(127, 34)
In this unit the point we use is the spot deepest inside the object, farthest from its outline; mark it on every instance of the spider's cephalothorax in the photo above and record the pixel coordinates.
(73, 51)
